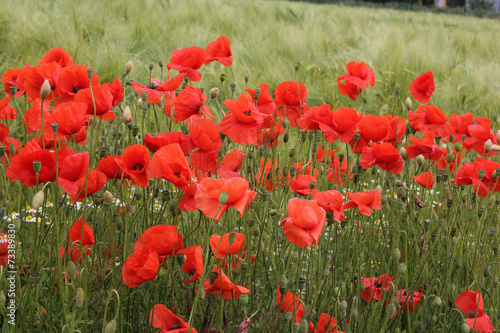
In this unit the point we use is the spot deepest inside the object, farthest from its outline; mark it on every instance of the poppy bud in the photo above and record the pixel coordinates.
(396, 254)
(486, 271)
(128, 67)
(492, 232)
(45, 90)
(110, 327)
(80, 297)
(392, 310)
(312, 185)
(343, 306)
(302, 283)
(38, 200)
(37, 166)
(71, 270)
(222, 78)
(262, 151)
(214, 92)
(13, 90)
(383, 110)
(487, 146)
(288, 315)
(402, 268)
(233, 87)
(255, 232)
(283, 283)
(304, 326)
(437, 302)
(127, 115)
(465, 328)
(107, 197)
(408, 103)
(420, 160)
(403, 153)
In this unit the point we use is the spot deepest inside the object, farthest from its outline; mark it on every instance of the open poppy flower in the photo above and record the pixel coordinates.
(161, 317)
(326, 323)
(357, 78)
(319, 117)
(426, 147)
(57, 55)
(371, 128)
(190, 102)
(290, 98)
(471, 303)
(135, 161)
(187, 201)
(468, 174)
(429, 117)
(265, 104)
(269, 137)
(209, 191)
(222, 286)
(81, 232)
(141, 266)
(422, 87)
(7, 111)
(290, 303)
(102, 97)
(169, 163)
(11, 78)
(193, 263)
(480, 133)
(302, 185)
(162, 239)
(69, 116)
(33, 116)
(204, 135)
(364, 201)
(305, 223)
(111, 169)
(331, 201)
(4, 249)
(222, 247)
(425, 179)
(33, 79)
(21, 165)
(72, 79)
(220, 50)
(155, 142)
(187, 61)
(243, 121)
(375, 287)
(231, 164)
(385, 155)
(88, 186)
(409, 299)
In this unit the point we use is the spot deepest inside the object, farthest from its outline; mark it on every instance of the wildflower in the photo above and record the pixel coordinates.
(193, 263)
(219, 50)
(364, 201)
(187, 61)
(305, 223)
(375, 287)
(290, 98)
(222, 286)
(429, 117)
(471, 303)
(170, 164)
(422, 87)
(357, 78)
(140, 266)
(161, 317)
(425, 179)
(288, 302)
(384, 155)
(135, 161)
(222, 246)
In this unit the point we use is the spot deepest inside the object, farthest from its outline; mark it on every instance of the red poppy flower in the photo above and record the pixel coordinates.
(426, 147)
(357, 78)
(290, 98)
(269, 137)
(266, 176)
(187, 201)
(371, 128)
(57, 55)
(422, 87)
(317, 117)
(88, 186)
(69, 116)
(153, 95)
(231, 164)
(4, 248)
(187, 61)
(33, 116)
(384, 155)
(326, 323)
(81, 232)
(102, 97)
(171, 84)
(11, 78)
(480, 134)
(471, 303)
(135, 161)
(290, 303)
(302, 185)
(166, 321)
(190, 102)
(338, 172)
(209, 191)
(398, 126)
(425, 180)
(429, 117)
(243, 121)
(375, 287)
(12, 146)
(219, 50)
(33, 78)
(21, 165)
(6, 111)
(222, 284)
(364, 201)
(193, 263)
(162, 239)
(155, 142)
(72, 166)
(111, 169)
(222, 247)
(141, 266)
(72, 79)
(170, 164)
(409, 300)
(265, 104)
(204, 135)
(346, 121)
(306, 222)
(331, 201)
(468, 174)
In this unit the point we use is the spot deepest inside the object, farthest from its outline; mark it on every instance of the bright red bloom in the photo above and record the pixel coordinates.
(480, 134)
(357, 78)
(190, 102)
(243, 121)
(7, 111)
(204, 135)
(187, 61)
(153, 95)
(265, 104)
(290, 98)
(375, 287)
(4, 249)
(33, 78)
(426, 147)
(170, 164)
(140, 266)
(102, 97)
(468, 174)
(425, 180)
(221, 246)
(187, 201)
(88, 186)
(69, 116)
(290, 303)
(223, 285)
(302, 185)
(33, 116)
(135, 161)
(398, 126)
(422, 87)
(471, 303)
(266, 176)
(219, 50)
(306, 222)
(269, 137)
(371, 128)
(111, 169)
(209, 191)
(326, 323)
(409, 302)
(384, 155)
(331, 201)
(429, 117)
(72, 166)
(364, 201)
(337, 171)
(81, 232)
(21, 165)
(319, 117)
(193, 263)
(11, 78)
(155, 142)
(231, 164)
(166, 321)
(57, 55)
(162, 239)
(72, 79)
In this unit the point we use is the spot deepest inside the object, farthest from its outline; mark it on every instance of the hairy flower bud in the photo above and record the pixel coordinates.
(487, 146)
(127, 115)
(38, 200)
(129, 66)
(80, 297)
(408, 103)
(45, 90)
(214, 92)
(110, 327)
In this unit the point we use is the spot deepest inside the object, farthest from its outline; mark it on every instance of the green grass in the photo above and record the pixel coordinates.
(268, 38)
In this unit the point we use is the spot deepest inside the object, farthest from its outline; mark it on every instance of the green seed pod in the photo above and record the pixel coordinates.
(296, 327)
(434, 319)
(288, 316)
(343, 306)
(273, 212)
(243, 300)
(302, 283)
(486, 272)
(37, 166)
(255, 232)
(80, 297)
(402, 268)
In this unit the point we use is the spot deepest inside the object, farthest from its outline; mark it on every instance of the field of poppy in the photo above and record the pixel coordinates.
(197, 194)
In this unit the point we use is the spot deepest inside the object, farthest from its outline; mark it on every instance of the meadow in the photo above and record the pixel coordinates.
(337, 170)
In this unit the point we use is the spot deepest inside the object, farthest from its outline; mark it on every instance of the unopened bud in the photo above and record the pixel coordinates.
(420, 159)
(408, 103)
(127, 115)
(465, 328)
(343, 305)
(80, 297)
(379, 189)
(129, 66)
(487, 146)
(71, 270)
(383, 110)
(181, 258)
(111, 326)
(108, 197)
(38, 200)
(45, 90)
(223, 198)
(403, 153)
(437, 302)
(392, 310)
(396, 254)
(283, 283)
(214, 92)
(402, 268)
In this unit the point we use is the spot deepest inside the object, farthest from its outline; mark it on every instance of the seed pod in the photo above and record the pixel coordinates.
(437, 302)
(392, 310)
(243, 300)
(304, 326)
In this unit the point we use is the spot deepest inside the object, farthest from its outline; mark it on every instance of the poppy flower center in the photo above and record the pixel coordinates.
(76, 89)
(471, 314)
(247, 113)
(137, 166)
(378, 285)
